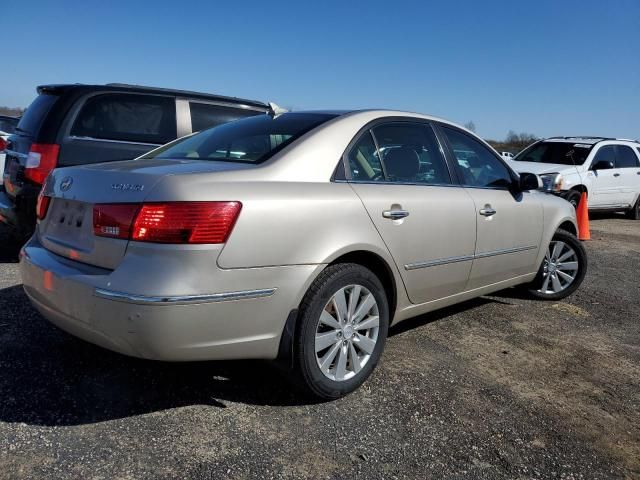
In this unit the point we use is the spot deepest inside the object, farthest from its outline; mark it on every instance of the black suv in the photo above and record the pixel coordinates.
(79, 124)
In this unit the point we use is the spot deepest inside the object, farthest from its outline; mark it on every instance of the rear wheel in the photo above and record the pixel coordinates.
(343, 324)
(562, 270)
(634, 212)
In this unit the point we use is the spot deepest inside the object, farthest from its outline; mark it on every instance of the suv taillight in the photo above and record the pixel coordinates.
(3, 145)
(172, 222)
(42, 206)
(42, 158)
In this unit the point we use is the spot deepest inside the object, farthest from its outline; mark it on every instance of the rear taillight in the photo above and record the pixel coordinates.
(174, 222)
(114, 220)
(3, 144)
(42, 206)
(42, 158)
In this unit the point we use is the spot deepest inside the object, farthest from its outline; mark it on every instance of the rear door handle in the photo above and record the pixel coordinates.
(487, 211)
(395, 214)
(616, 174)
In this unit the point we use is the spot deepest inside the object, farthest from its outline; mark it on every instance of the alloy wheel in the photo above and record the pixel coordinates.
(560, 268)
(347, 332)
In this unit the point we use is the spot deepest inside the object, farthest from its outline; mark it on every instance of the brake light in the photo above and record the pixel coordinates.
(42, 206)
(42, 158)
(173, 222)
(114, 220)
(3, 144)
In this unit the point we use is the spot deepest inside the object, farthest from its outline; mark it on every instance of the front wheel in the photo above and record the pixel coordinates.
(562, 270)
(341, 331)
(634, 212)
(573, 197)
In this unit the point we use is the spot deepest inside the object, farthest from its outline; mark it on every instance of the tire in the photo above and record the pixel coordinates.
(355, 354)
(573, 197)
(544, 286)
(634, 212)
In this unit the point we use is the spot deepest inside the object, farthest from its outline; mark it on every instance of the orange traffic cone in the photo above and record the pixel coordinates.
(583, 218)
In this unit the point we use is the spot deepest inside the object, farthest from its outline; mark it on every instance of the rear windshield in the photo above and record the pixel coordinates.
(8, 125)
(562, 153)
(36, 112)
(250, 140)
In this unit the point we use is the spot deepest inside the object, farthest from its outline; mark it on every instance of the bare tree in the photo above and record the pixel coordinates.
(470, 126)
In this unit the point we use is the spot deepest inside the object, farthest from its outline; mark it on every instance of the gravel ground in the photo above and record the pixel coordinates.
(499, 387)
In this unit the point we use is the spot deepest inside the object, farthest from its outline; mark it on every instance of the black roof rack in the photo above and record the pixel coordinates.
(585, 137)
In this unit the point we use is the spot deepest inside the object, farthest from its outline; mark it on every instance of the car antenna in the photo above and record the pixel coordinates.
(276, 110)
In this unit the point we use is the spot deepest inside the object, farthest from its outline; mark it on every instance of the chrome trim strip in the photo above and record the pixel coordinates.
(183, 299)
(107, 140)
(434, 263)
(465, 258)
(504, 251)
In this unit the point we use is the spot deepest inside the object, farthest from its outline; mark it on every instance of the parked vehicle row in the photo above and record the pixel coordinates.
(80, 124)
(7, 127)
(299, 236)
(607, 169)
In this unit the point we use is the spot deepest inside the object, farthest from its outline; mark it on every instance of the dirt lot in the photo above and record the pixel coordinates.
(500, 387)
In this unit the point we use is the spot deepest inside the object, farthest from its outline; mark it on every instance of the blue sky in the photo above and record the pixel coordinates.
(544, 67)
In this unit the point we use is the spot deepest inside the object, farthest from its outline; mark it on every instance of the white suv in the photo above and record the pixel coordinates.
(607, 169)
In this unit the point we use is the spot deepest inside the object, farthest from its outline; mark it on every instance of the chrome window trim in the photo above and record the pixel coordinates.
(108, 140)
(466, 258)
(183, 299)
(239, 106)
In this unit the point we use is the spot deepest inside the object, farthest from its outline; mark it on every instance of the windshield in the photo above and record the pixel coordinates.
(250, 140)
(562, 153)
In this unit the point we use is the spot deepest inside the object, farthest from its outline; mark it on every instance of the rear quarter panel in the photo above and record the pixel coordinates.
(283, 223)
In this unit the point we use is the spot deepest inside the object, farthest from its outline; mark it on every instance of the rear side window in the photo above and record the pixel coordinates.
(127, 118)
(411, 153)
(364, 163)
(35, 114)
(205, 115)
(625, 157)
(478, 166)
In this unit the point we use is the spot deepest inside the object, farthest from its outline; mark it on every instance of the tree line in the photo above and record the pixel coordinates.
(513, 142)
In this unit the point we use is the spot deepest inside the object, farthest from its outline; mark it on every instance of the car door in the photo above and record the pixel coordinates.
(606, 187)
(628, 167)
(509, 224)
(399, 171)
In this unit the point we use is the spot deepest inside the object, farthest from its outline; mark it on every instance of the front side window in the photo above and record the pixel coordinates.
(410, 153)
(625, 157)
(478, 166)
(605, 154)
(561, 153)
(250, 140)
(127, 118)
(206, 115)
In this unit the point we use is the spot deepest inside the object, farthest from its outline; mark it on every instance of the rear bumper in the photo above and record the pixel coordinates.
(229, 324)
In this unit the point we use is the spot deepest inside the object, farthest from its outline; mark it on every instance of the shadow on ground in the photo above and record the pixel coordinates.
(48, 377)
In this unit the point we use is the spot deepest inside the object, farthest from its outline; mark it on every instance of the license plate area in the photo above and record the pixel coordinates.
(69, 223)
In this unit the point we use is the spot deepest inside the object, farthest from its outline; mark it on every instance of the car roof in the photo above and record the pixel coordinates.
(122, 87)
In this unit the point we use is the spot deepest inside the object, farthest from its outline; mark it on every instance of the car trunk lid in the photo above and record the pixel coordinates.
(67, 228)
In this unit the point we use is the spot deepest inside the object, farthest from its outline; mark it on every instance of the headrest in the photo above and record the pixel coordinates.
(402, 163)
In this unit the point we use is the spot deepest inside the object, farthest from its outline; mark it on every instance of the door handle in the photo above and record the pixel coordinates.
(616, 174)
(487, 211)
(395, 214)
(637, 173)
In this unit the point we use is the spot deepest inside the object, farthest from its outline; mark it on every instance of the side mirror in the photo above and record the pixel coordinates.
(529, 181)
(603, 165)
